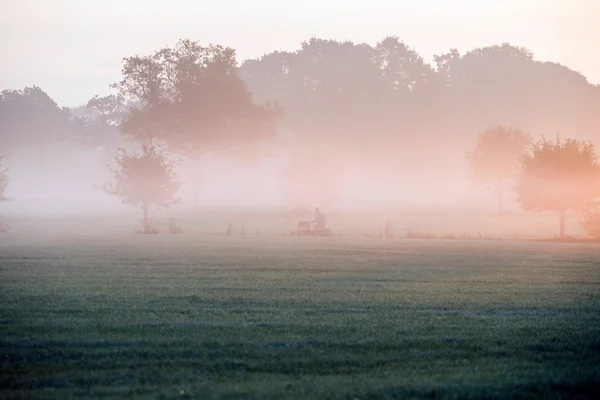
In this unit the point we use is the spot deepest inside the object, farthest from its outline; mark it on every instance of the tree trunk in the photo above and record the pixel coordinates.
(561, 214)
(146, 219)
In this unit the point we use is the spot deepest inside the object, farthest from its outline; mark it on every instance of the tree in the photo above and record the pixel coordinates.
(99, 119)
(559, 176)
(332, 93)
(145, 180)
(193, 102)
(495, 159)
(30, 117)
(4, 180)
(401, 67)
(109, 110)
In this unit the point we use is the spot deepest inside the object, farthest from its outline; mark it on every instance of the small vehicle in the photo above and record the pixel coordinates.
(305, 229)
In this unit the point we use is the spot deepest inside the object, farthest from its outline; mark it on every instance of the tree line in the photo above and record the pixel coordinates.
(380, 106)
(558, 175)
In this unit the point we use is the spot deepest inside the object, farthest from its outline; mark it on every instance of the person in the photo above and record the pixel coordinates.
(320, 221)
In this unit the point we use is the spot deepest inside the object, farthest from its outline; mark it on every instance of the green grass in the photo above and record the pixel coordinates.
(250, 317)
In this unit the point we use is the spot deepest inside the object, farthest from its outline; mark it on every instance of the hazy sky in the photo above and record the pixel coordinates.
(73, 48)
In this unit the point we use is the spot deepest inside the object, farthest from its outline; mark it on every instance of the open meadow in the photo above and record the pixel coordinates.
(90, 314)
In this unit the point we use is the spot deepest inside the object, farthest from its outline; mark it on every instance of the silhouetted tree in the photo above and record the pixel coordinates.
(496, 158)
(559, 176)
(4, 180)
(98, 121)
(193, 101)
(145, 180)
(402, 68)
(31, 117)
(332, 93)
(109, 110)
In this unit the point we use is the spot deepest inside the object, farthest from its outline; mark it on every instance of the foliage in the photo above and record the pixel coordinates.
(402, 68)
(109, 110)
(380, 106)
(496, 157)
(97, 121)
(559, 176)
(31, 117)
(144, 180)
(192, 99)
(4, 181)
(414, 115)
(497, 154)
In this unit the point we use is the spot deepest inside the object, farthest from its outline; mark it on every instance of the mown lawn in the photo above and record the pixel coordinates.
(233, 317)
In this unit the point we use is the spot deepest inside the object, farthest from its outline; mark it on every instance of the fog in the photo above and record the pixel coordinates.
(347, 127)
(61, 179)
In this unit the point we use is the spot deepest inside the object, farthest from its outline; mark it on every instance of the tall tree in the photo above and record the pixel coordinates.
(496, 158)
(109, 110)
(100, 119)
(402, 68)
(4, 181)
(559, 176)
(332, 94)
(30, 117)
(146, 180)
(193, 102)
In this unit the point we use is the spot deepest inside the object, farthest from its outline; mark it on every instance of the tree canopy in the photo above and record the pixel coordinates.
(332, 104)
(31, 117)
(496, 158)
(191, 99)
(384, 107)
(559, 176)
(143, 180)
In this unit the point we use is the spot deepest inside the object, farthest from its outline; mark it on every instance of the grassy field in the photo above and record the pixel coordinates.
(168, 317)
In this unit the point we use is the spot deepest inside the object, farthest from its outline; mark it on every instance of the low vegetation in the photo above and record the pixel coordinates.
(220, 317)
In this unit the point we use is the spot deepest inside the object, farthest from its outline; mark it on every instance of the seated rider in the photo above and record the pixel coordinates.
(320, 221)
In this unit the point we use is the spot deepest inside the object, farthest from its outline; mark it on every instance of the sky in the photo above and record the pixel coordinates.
(73, 48)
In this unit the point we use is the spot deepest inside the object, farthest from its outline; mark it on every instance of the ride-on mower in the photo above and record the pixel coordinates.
(305, 229)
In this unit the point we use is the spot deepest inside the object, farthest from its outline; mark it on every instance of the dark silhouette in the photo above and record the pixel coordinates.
(314, 227)
(559, 176)
(320, 220)
(496, 158)
(146, 180)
